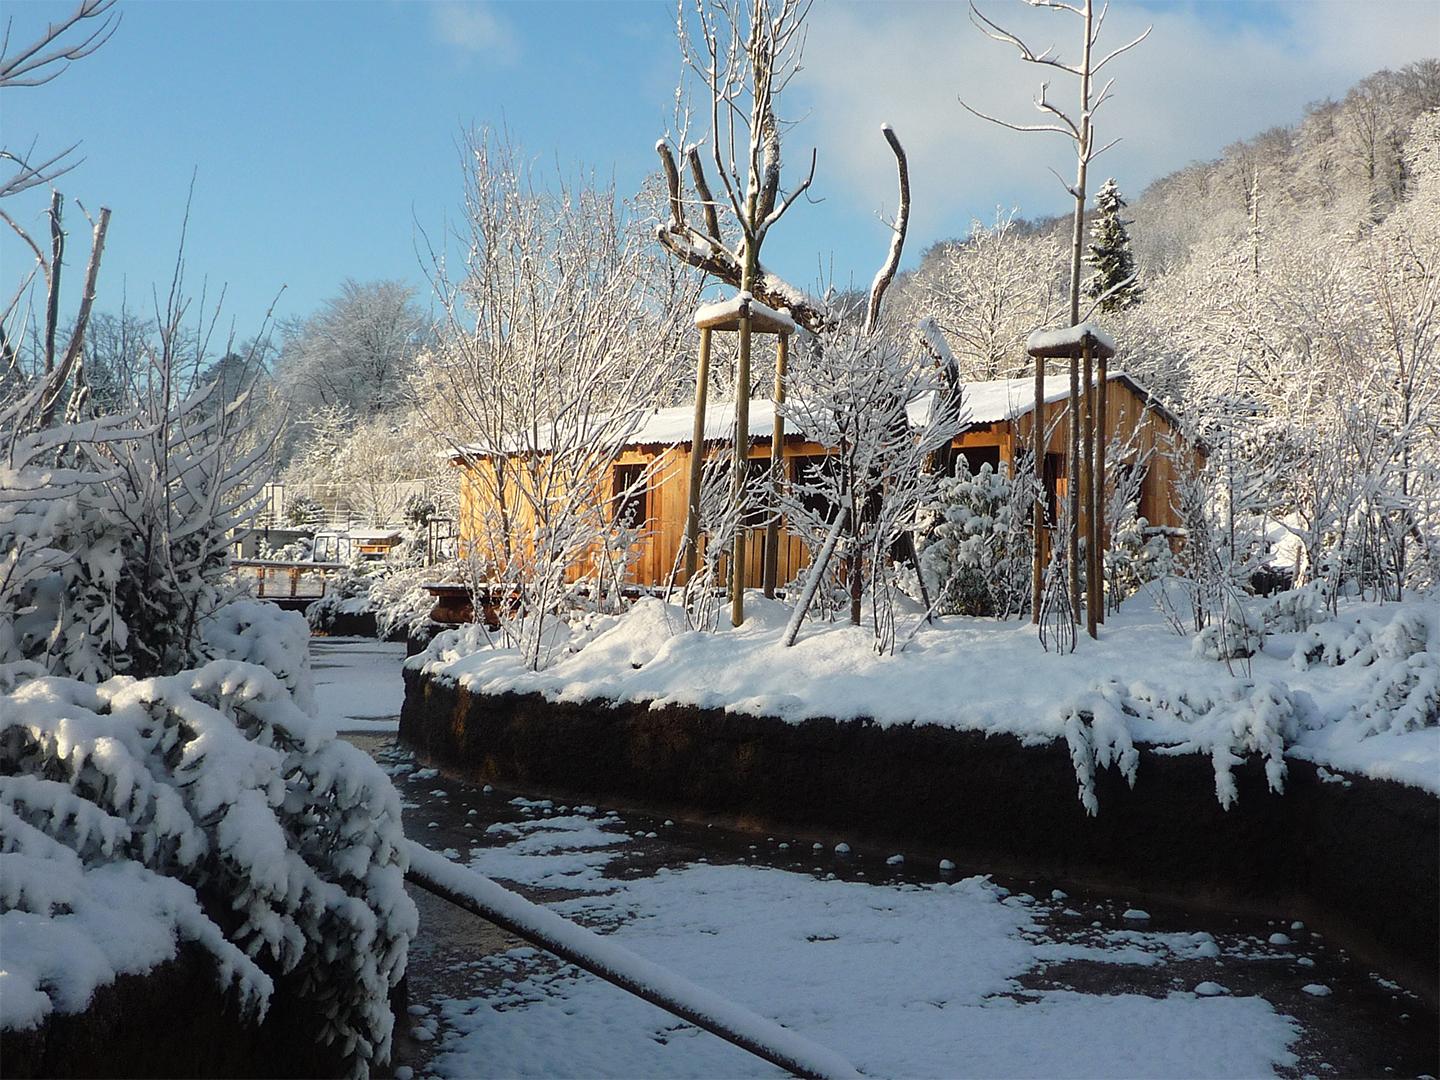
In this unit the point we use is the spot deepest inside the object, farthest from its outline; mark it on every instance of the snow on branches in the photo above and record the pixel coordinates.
(882, 411)
(205, 805)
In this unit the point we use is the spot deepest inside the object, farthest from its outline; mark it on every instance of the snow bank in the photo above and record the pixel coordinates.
(1375, 713)
(133, 809)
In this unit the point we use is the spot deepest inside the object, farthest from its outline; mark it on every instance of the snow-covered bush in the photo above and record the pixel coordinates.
(1135, 556)
(207, 804)
(1294, 610)
(976, 558)
(259, 632)
(1235, 633)
(391, 591)
(1228, 721)
(117, 529)
(1364, 639)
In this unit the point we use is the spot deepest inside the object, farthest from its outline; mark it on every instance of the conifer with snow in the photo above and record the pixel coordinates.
(1109, 253)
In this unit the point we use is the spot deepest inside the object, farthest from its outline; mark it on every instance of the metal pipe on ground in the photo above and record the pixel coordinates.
(618, 965)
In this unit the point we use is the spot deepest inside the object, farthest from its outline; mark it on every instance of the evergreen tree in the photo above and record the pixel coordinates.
(1109, 252)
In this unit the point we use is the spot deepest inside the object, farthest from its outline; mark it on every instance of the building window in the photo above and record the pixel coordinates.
(629, 496)
(812, 472)
(1054, 471)
(976, 456)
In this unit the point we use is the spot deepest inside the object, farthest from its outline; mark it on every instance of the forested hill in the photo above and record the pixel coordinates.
(1292, 202)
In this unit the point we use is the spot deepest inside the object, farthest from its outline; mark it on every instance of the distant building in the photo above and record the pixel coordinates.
(1000, 417)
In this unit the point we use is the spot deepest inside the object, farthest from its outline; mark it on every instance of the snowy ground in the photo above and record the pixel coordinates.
(1371, 706)
(904, 968)
(357, 682)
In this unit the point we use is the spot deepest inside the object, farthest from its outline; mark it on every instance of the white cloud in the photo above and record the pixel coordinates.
(1201, 81)
(474, 27)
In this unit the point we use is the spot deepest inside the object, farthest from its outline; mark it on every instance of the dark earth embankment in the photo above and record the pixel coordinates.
(1359, 858)
(174, 1021)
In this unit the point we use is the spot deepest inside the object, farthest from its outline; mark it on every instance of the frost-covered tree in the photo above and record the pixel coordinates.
(561, 328)
(976, 555)
(880, 409)
(987, 293)
(1113, 281)
(354, 353)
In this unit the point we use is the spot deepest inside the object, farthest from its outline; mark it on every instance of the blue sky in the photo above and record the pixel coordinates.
(319, 134)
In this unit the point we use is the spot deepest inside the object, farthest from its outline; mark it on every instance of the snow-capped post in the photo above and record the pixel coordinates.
(743, 74)
(616, 964)
(742, 454)
(1080, 131)
(777, 468)
(697, 455)
(1092, 539)
(747, 317)
(1082, 343)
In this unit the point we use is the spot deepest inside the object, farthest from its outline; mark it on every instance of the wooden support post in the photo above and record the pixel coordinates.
(697, 457)
(1092, 576)
(1073, 472)
(1037, 441)
(742, 468)
(777, 467)
(1102, 427)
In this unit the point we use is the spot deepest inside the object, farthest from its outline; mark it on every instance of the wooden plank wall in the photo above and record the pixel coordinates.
(654, 557)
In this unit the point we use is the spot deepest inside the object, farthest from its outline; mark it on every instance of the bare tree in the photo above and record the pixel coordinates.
(987, 293)
(1078, 128)
(559, 332)
(47, 56)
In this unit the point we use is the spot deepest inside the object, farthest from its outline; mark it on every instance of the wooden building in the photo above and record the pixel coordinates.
(1000, 415)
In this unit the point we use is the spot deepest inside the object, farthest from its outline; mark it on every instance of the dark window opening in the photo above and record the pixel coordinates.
(629, 496)
(976, 456)
(757, 491)
(1054, 471)
(811, 472)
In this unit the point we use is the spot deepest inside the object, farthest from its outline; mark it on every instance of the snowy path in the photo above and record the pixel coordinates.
(902, 968)
(357, 682)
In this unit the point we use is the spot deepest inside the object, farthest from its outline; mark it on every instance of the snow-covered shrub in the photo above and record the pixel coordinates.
(117, 530)
(1229, 721)
(208, 803)
(348, 593)
(259, 632)
(1097, 732)
(1364, 639)
(976, 559)
(1135, 556)
(304, 512)
(391, 591)
(1294, 610)
(1236, 633)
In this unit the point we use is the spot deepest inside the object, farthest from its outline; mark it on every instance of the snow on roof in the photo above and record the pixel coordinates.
(1066, 339)
(989, 402)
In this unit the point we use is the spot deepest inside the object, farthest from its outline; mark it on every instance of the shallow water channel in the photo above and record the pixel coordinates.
(1099, 986)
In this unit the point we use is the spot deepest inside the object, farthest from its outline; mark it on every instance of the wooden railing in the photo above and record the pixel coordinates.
(286, 580)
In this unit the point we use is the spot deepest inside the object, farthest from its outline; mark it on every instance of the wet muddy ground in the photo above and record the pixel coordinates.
(1352, 1021)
